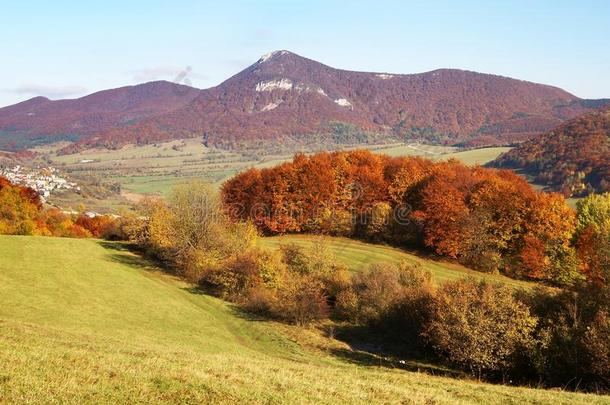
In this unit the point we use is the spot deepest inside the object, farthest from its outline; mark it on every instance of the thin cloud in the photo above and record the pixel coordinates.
(49, 91)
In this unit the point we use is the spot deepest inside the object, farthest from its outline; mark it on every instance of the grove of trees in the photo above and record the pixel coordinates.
(489, 219)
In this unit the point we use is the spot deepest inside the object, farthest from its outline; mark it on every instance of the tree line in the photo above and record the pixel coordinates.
(491, 220)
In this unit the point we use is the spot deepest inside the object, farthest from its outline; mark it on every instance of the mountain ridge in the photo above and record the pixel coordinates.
(285, 97)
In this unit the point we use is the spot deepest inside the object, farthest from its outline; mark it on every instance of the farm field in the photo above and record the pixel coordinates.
(86, 321)
(358, 255)
(476, 156)
(155, 169)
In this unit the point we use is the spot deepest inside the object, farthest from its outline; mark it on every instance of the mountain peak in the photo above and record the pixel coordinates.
(273, 55)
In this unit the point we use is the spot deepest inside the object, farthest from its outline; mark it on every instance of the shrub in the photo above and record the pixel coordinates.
(301, 301)
(574, 336)
(317, 260)
(375, 295)
(479, 326)
(246, 271)
(260, 300)
(596, 345)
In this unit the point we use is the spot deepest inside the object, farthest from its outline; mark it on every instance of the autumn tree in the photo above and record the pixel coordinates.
(479, 326)
(593, 240)
(191, 231)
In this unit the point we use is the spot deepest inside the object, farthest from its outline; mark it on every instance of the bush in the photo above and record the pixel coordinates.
(596, 345)
(479, 326)
(375, 295)
(574, 336)
(260, 300)
(317, 260)
(301, 301)
(246, 271)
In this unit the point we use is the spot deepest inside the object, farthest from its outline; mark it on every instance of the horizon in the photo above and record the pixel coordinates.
(553, 44)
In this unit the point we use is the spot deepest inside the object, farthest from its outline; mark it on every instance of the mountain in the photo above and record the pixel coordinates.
(40, 119)
(574, 158)
(290, 99)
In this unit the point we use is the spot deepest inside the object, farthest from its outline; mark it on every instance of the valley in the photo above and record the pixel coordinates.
(154, 169)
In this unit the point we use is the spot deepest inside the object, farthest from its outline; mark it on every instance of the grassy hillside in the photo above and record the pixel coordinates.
(358, 255)
(85, 321)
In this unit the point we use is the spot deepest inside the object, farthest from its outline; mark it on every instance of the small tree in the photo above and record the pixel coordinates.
(191, 231)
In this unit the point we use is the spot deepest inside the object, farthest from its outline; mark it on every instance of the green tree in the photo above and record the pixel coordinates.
(593, 211)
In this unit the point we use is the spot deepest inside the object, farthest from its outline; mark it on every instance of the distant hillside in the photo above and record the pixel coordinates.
(574, 158)
(291, 99)
(40, 120)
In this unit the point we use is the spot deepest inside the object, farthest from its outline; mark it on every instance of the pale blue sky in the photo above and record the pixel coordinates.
(69, 48)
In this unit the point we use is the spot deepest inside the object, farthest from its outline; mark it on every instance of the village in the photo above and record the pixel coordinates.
(44, 180)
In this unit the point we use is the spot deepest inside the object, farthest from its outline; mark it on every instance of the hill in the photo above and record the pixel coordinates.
(358, 255)
(84, 321)
(298, 101)
(574, 158)
(40, 120)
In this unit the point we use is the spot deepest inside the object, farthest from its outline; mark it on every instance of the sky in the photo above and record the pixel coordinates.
(66, 49)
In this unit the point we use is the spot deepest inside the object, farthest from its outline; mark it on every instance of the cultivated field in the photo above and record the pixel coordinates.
(85, 321)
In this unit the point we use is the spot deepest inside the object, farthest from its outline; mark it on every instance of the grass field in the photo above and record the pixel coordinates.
(476, 156)
(85, 321)
(358, 255)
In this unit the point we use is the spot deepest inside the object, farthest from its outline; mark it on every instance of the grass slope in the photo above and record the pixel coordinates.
(358, 255)
(84, 321)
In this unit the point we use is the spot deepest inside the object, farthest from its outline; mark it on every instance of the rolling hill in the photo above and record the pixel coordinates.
(356, 256)
(294, 100)
(574, 158)
(85, 321)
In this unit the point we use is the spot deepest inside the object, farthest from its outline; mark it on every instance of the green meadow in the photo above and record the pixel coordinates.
(88, 321)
